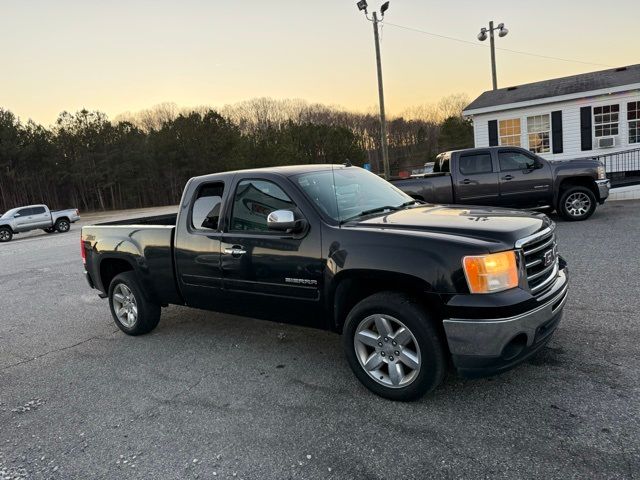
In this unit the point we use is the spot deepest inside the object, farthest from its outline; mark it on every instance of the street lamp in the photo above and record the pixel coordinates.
(482, 36)
(362, 6)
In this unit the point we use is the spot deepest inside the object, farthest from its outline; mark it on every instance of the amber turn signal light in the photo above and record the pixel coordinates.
(491, 273)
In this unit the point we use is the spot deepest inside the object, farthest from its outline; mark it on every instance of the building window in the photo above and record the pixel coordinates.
(538, 132)
(510, 132)
(633, 115)
(606, 120)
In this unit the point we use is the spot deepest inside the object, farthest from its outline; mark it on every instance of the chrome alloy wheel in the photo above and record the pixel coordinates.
(4, 235)
(63, 226)
(577, 204)
(125, 306)
(387, 350)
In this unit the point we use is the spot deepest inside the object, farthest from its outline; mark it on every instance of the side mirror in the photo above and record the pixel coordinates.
(16, 215)
(284, 221)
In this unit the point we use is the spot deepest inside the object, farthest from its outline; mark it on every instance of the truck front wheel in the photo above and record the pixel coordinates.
(133, 314)
(393, 347)
(577, 203)
(5, 234)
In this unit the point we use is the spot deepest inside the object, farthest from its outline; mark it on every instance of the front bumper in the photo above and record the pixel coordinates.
(485, 346)
(603, 189)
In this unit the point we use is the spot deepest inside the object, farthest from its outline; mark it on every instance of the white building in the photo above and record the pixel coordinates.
(584, 115)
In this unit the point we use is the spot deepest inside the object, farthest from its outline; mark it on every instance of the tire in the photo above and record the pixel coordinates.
(576, 204)
(141, 316)
(62, 225)
(5, 234)
(392, 312)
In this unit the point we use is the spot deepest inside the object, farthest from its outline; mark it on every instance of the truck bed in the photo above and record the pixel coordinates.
(145, 243)
(167, 219)
(431, 187)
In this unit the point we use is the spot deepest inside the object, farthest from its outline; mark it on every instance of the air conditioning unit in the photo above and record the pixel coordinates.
(606, 142)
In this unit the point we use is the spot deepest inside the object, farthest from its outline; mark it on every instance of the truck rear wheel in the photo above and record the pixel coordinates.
(133, 314)
(577, 203)
(393, 347)
(62, 225)
(5, 234)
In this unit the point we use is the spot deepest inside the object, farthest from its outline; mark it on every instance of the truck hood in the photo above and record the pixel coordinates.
(588, 163)
(485, 223)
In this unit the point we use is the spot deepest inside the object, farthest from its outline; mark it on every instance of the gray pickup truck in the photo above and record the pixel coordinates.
(34, 217)
(512, 177)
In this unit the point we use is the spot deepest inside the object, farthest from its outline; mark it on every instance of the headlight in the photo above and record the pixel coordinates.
(491, 273)
(601, 173)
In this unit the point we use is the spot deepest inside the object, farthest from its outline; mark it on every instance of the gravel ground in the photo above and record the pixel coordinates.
(216, 396)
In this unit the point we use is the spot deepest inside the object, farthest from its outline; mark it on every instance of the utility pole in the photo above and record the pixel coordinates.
(383, 120)
(362, 6)
(493, 57)
(482, 36)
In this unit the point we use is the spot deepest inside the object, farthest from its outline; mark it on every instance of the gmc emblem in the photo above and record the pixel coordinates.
(549, 257)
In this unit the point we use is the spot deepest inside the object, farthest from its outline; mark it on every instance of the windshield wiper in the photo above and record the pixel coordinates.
(379, 209)
(370, 211)
(411, 202)
(382, 209)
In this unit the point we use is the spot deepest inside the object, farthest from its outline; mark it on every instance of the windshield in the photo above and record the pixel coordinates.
(346, 193)
(9, 213)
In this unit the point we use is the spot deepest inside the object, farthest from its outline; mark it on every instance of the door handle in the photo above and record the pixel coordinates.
(236, 250)
(508, 177)
(466, 181)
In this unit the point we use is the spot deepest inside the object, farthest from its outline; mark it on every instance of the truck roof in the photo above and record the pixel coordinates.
(287, 171)
(484, 149)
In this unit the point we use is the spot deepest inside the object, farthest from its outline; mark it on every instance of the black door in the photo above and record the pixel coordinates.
(198, 250)
(270, 274)
(476, 179)
(525, 181)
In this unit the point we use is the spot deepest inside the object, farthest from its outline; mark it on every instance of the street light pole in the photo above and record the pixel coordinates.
(482, 36)
(383, 120)
(362, 6)
(492, 42)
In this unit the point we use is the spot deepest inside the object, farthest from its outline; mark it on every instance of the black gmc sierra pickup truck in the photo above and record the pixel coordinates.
(410, 286)
(512, 177)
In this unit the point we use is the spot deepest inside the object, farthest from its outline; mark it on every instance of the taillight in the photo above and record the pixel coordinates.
(77, 212)
(83, 254)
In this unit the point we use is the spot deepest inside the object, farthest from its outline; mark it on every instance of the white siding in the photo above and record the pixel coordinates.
(570, 124)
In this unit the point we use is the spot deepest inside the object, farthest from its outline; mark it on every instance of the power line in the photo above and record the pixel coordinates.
(475, 44)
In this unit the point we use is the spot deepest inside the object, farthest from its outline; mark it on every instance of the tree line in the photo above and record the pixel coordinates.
(144, 159)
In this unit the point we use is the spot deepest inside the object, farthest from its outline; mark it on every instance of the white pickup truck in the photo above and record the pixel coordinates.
(34, 217)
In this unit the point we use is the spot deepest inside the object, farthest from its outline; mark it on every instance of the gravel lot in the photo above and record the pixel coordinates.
(217, 396)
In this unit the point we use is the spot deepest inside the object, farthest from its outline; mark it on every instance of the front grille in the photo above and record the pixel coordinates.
(540, 256)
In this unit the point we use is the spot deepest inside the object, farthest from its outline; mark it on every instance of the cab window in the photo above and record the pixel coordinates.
(24, 212)
(205, 214)
(515, 161)
(254, 201)
(475, 164)
(442, 164)
(37, 210)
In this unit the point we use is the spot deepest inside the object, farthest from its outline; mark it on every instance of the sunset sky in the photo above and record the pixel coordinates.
(118, 56)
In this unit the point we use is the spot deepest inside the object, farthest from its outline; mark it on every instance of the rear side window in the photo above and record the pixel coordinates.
(442, 164)
(474, 164)
(37, 210)
(254, 201)
(205, 214)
